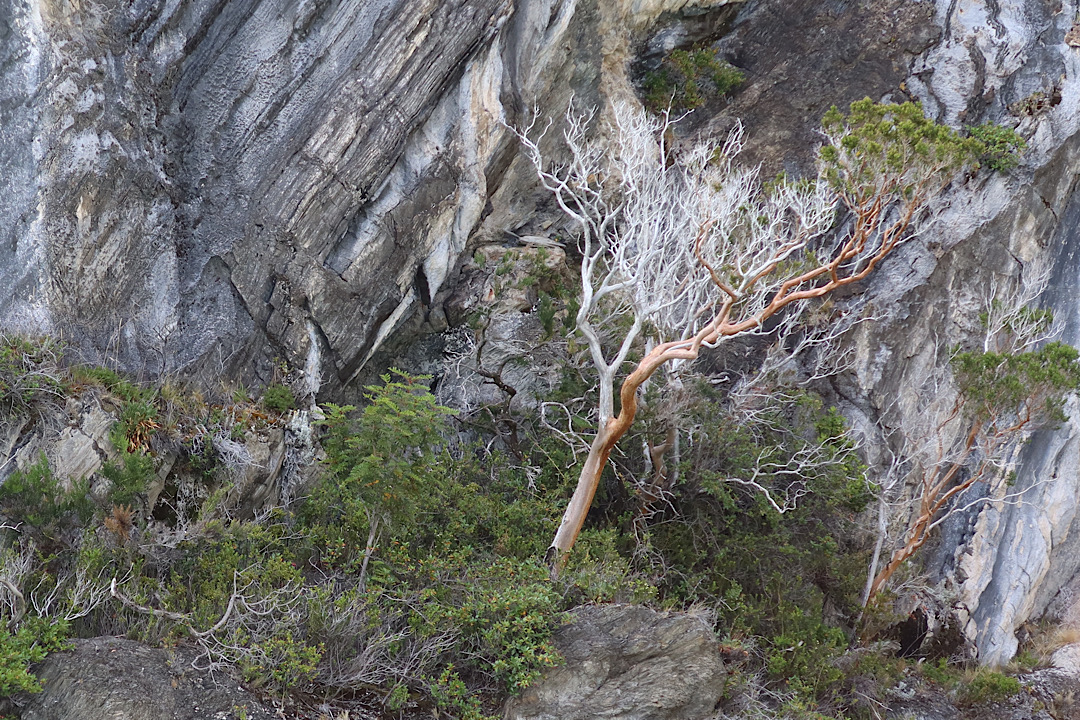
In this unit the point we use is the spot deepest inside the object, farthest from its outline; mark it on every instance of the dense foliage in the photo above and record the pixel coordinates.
(1001, 147)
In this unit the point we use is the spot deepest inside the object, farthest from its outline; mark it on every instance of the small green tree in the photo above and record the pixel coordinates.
(35, 499)
(380, 464)
(1012, 384)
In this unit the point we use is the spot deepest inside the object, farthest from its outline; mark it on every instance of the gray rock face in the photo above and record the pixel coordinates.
(109, 678)
(194, 179)
(207, 186)
(626, 662)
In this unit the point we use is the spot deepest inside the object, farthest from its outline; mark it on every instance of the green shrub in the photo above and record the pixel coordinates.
(597, 572)
(278, 398)
(503, 616)
(35, 638)
(379, 468)
(769, 576)
(130, 474)
(135, 428)
(1027, 661)
(35, 498)
(893, 142)
(804, 654)
(404, 516)
(453, 696)
(997, 384)
(128, 478)
(988, 686)
(545, 310)
(941, 673)
(283, 662)
(112, 381)
(677, 83)
(1001, 147)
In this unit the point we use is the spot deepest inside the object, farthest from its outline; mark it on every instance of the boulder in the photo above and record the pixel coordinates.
(627, 662)
(117, 679)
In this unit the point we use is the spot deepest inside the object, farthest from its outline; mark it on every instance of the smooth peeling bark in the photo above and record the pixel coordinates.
(722, 326)
(737, 271)
(610, 433)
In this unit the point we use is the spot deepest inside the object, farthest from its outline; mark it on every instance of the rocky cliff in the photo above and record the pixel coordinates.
(214, 186)
(1012, 63)
(207, 186)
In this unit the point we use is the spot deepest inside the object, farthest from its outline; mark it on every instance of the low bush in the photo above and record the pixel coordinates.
(278, 398)
(682, 81)
(771, 578)
(988, 686)
(35, 638)
(412, 568)
(29, 372)
(35, 500)
(112, 381)
(1001, 147)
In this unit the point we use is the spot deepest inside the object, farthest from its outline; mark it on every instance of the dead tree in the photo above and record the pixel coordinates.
(694, 246)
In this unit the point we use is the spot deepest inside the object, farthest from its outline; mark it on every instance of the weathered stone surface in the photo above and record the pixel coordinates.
(113, 678)
(74, 438)
(627, 662)
(1009, 63)
(993, 57)
(261, 467)
(205, 186)
(802, 56)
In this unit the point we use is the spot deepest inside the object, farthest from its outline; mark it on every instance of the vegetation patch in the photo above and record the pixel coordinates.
(687, 78)
(30, 372)
(987, 686)
(1001, 146)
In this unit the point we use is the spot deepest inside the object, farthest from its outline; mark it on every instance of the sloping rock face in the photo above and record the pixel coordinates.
(107, 678)
(627, 662)
(208, 186)
(194, 180)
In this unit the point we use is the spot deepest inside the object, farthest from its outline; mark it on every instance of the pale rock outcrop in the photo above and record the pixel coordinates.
(263, 466)
(1006, 62)
(73, 438)
(627, 662)
(205, 187)
(107, 678)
